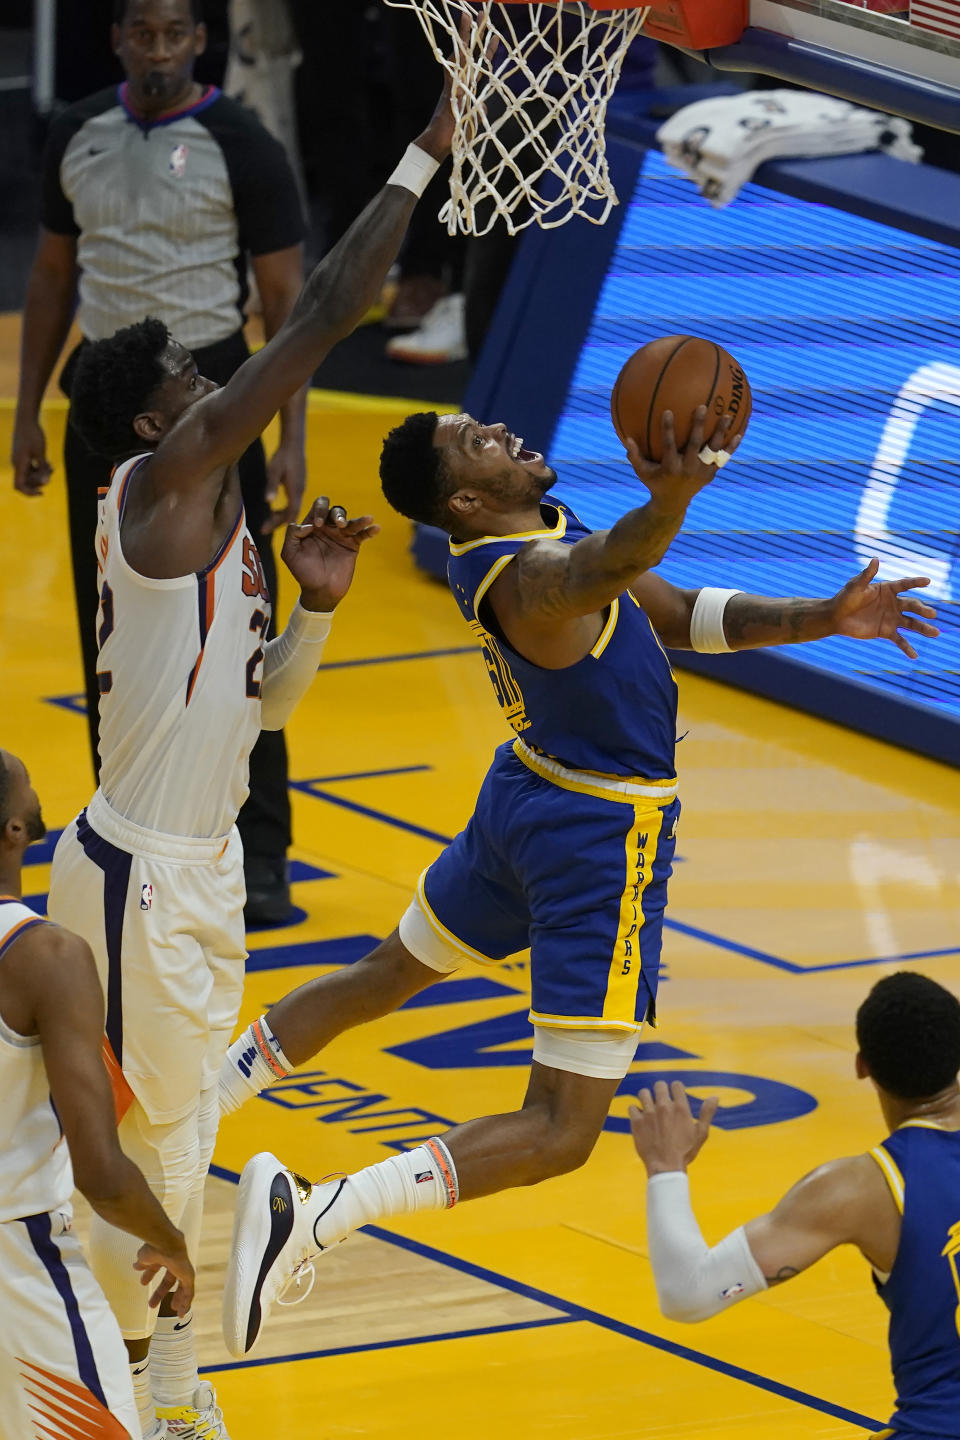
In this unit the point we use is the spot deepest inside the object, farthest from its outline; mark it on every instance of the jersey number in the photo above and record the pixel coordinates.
(253, 580)
(104, 631)
(258, 621)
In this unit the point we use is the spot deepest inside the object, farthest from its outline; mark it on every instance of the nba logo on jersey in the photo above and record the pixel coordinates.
(146, 897)
(178, 164)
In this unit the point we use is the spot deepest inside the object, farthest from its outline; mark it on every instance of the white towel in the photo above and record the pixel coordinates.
(720, 143)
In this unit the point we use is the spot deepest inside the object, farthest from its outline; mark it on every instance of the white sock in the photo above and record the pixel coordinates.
(173, 1361)
(252, 1062)
(143, 1396)
(420, 1179)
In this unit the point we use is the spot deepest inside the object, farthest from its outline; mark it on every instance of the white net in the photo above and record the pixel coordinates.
(531, 86)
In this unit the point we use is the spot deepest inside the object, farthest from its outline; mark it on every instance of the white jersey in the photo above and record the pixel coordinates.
(179, 672)
(35, 1173)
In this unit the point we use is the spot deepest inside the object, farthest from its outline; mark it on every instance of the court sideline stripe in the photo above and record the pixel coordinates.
(392, 1344)
(594, 1317)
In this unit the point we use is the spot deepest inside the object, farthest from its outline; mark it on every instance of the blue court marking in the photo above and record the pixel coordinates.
(298, 871)
(343, 951)
(309, 787)
(394, 659)
(574, 1311)
(361, 775)
(76, 704)
(42, 852)
(350, 948)
(390, 1344)
(790, 966)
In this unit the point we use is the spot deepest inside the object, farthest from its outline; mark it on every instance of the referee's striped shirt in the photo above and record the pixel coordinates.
(165, 212)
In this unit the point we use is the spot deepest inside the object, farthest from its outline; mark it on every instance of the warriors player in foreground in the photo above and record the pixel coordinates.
(63, 1366)
(571, 843)
(151, 872)
(899, 1204)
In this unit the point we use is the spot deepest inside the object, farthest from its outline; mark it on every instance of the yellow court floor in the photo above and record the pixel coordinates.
(811, 862)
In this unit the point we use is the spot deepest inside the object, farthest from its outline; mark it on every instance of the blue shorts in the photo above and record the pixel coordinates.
(578, 877)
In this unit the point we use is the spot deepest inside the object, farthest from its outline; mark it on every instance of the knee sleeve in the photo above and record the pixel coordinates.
(192, 1218)
(168, 1156)
(602, 1054)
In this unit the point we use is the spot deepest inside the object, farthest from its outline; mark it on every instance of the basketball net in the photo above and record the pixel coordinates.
(531, 84)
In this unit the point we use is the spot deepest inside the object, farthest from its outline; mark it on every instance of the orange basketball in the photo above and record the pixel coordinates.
(678, 373)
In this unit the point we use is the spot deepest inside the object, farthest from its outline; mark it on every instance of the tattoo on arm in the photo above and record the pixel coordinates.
(786, 1272)
(756, 620)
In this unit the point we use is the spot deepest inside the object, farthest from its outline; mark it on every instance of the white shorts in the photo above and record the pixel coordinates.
(164, 918)
(63, 1366)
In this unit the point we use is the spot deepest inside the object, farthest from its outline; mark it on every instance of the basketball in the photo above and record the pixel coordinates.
(678, 373)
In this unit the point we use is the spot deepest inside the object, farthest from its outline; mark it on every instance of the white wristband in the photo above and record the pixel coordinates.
(415, 170)
(706, 621)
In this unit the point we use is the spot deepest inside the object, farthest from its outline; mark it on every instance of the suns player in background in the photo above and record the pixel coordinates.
(150, 873)
(899, 1204)
(63, 1366)
(570, 847)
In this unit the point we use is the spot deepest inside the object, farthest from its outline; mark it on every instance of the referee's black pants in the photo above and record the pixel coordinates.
(264, 821)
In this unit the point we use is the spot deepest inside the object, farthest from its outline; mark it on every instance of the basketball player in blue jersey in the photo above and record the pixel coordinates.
(570, 847)
(150, 873)
(899, 1204)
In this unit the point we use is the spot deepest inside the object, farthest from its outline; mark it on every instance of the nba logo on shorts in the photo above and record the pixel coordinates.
(146, 897)
(178, 164)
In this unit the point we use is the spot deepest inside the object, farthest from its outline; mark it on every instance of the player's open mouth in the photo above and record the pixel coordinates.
(516, 451)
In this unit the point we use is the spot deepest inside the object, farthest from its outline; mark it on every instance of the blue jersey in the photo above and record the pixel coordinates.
(615, 711)
(922, 1165)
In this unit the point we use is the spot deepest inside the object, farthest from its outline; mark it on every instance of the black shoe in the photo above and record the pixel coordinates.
(268, 891)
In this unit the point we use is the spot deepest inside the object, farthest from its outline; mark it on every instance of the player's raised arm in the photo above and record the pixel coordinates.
(333, 301)
(845, 1202)
(60, 999)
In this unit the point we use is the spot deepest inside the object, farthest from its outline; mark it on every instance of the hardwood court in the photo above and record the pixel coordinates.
(812, 862)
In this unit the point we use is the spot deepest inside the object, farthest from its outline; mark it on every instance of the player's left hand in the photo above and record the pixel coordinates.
(321, 552)
(287, 471)
(869, 611)
(665, 1134)
(177, 1278)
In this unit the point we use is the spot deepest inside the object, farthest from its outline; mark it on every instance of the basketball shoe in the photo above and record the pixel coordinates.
(273, 1245)
(203, 1420)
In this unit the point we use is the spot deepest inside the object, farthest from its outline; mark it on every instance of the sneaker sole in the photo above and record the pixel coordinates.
(261, 1227)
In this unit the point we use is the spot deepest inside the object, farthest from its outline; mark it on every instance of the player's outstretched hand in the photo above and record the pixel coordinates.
(665, 1134)
(321, 552)
(869, 610)
(178, 1279)
(681, 473)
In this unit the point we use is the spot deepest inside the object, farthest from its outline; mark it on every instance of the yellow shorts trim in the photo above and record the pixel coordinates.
(622, 788)
(448, 935)
(623, 977)
(577, 1022)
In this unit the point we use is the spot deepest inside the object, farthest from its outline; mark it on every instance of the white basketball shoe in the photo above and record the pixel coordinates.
(273, 1245)
(203, 1420)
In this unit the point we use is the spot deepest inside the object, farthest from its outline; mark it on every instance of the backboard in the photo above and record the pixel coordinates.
(906, 63)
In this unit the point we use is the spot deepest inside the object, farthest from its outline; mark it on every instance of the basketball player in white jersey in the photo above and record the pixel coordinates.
(150, 873)
(63, 1367)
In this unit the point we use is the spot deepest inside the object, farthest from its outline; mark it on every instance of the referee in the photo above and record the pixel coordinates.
(154, 195)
